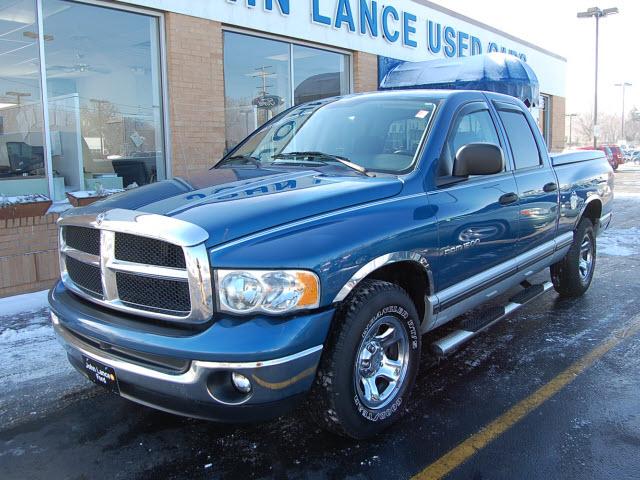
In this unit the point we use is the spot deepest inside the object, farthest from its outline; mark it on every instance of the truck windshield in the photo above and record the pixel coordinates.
(376, 133)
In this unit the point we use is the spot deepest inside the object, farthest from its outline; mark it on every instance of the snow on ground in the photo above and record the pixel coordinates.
(620, 242)
(627, 195)
(33, 365)
(29, 302)
(28, 348)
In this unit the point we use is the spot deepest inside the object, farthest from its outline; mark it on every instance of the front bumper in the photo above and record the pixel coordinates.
(190, 385)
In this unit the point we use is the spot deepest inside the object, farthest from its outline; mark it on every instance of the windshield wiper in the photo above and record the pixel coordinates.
(326, 157)
(240, 159)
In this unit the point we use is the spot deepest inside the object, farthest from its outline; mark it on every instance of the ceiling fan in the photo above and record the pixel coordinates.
(78, 68)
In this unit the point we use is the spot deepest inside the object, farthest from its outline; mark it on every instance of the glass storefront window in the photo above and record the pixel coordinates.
(318, 74)
(22, 155)
(257, 83)
(263, 77)
(105, 96)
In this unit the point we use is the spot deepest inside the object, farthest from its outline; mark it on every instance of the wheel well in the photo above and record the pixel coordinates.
(411, 276)
(593, 212)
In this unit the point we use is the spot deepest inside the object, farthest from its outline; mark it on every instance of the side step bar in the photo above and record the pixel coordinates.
(470, 327)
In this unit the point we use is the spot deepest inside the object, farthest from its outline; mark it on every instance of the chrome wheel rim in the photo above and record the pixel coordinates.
(585, 260)
(382, 362)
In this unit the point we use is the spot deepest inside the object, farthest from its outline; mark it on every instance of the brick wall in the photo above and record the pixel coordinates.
(28, 254)
(557, 123)
(196, 92)
(365, 72)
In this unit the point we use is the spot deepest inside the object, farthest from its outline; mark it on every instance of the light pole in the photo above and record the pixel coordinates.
(597, 13)
(570, 115)
(624, 85)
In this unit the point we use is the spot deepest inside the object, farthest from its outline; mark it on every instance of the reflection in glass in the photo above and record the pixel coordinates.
(104, 91)
(319, 74)
(380, 133)
(22, 156)
(257, 83)
(258, 80)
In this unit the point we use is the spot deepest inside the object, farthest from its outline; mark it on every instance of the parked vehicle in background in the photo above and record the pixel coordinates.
(608, 153)
(635, 157)
(311, 259)
(618, 155)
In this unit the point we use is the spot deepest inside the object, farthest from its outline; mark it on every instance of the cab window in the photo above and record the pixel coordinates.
(523, 144)
(472, 127)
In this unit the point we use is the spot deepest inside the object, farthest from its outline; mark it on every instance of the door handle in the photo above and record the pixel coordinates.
(508, 198)
(550, 187)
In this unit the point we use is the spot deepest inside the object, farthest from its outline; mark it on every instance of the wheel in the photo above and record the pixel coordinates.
(370, 362)
(572, 275)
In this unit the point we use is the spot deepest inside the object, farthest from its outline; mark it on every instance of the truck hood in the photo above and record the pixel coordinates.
(230, 203)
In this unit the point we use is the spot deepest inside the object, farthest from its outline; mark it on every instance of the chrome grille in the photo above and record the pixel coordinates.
(166, 277)
(85, 276)
(83, 239)
(149, 251)
(154, 294)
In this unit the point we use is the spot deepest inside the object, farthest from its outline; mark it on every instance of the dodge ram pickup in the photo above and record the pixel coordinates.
(311, 259)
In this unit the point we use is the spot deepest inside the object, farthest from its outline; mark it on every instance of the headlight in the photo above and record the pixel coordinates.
(270, 291)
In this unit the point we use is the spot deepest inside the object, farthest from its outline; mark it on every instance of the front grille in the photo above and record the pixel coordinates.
(109, 259)
(132, 248)
(83, 239)
(153, 294)
(86, 277)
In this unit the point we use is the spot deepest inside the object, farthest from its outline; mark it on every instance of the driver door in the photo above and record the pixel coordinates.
(477, 216)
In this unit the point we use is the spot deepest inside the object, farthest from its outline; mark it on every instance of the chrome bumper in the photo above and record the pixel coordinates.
(204, 390)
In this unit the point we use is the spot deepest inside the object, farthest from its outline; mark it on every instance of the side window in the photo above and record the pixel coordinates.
(523, 144)
(473, 127)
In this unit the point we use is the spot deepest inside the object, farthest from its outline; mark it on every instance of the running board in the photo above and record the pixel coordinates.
(470, 327)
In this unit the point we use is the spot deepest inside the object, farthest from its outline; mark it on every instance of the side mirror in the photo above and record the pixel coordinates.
(478, 159)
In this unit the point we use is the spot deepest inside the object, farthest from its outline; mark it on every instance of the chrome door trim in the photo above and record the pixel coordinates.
(454, 294)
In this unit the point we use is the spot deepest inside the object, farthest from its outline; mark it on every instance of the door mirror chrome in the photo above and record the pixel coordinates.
(478, 159)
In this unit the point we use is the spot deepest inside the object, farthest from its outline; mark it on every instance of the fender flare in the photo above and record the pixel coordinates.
(379, 262)
(589, 200)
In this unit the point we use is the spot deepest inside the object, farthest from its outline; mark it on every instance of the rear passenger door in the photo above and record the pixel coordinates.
(535, 179)
(477, 216)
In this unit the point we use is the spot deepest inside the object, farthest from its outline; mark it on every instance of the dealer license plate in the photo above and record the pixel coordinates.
(101, 374)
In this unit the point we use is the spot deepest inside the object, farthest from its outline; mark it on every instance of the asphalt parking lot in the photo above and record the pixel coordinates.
(551, 392)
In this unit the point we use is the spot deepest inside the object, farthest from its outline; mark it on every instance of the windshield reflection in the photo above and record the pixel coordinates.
(376, 133)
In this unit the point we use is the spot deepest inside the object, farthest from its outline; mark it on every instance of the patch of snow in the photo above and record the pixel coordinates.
(620, 242)
(93, 193)
(31, 198)
(627, 195)
(30, 353)
(28, 302)
(59, 206)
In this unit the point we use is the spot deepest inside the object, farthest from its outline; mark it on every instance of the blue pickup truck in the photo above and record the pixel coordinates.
(310, 260)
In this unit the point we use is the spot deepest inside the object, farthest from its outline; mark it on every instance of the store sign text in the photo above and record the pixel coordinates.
(396, 26)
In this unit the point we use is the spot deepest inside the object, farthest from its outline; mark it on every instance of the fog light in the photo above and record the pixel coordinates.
(241, 382)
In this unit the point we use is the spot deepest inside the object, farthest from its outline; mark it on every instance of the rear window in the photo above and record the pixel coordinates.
(523, 144)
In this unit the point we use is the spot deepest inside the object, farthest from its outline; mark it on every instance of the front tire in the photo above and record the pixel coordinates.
(572, 275)
(370, 362)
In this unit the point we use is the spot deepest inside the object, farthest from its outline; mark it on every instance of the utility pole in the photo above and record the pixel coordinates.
(570, 115)
(597, 13)
(624, 85)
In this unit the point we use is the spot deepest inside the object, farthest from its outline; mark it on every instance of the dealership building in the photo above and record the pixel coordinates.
(110, 95)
